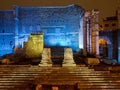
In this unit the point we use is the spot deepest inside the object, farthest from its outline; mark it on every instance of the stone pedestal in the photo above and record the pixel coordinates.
(68, 58)
(92, 61)
(46, 58)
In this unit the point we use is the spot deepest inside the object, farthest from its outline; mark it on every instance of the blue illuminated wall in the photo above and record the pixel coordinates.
(6, 32)
(61, 25)
(119, 46)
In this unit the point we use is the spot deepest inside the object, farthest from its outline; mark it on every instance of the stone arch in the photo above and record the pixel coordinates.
(106, 39)
(107, 49)
(103, 48)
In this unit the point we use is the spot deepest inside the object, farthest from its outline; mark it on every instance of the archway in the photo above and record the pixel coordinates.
(103, 48)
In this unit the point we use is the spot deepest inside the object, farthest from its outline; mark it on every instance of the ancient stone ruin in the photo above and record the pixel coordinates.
(34, 46)
(46, 57)
(68, 58)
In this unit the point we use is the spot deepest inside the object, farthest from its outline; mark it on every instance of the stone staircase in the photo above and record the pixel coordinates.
(27, 77)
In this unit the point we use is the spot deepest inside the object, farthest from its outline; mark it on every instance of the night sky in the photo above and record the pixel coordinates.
(106, 7)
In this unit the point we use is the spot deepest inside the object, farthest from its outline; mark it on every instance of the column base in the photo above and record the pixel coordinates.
(68, 64)
(46, 65)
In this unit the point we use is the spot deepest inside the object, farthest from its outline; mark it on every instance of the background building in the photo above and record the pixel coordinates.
(110, 37)
(61, 26)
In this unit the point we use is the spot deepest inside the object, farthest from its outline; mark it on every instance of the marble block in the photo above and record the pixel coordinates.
(68, 57)
(46, 57)
(92, 61)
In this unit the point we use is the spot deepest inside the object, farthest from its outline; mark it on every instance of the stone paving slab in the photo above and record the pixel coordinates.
(84, 76)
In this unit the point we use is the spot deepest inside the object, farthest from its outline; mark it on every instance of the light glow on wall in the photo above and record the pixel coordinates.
(60, 25)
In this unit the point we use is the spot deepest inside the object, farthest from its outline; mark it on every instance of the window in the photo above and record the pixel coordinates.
(106, 25)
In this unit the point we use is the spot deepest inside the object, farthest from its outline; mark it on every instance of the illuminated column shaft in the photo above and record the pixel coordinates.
(95, 33)
(16, 31)
(87, 33)
(84, 36)
(16, 24)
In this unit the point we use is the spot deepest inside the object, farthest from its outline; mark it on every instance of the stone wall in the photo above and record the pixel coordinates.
(6, 31)
(34, 47)
(61, 25)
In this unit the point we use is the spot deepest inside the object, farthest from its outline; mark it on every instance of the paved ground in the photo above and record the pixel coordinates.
(29, 77)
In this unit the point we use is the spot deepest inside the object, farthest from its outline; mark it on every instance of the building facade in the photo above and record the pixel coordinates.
(61, 26)
(109, 38)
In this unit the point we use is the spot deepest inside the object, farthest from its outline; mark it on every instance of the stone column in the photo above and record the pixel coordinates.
(16, 11)
(110, 51)
(85, 33)
(68, 57)
(95, 33)
(46, 57)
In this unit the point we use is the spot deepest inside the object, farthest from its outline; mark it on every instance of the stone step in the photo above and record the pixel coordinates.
(15, 66)
(60, 78)
(105, 77)
(99, 86)
(6, 87)
(20, 87)
(79, 85)
(91, 73)
(55, 82)
(38, 67)
(10, 80)
(79, 79)
(29, 69)
(58, 83)
(13, 83)
(25, 71)
(83, 72)
(97, 89)
(16, 79)
(65, 83)
(30, 72)
(98, 83)
(60, 70)
(59, 75)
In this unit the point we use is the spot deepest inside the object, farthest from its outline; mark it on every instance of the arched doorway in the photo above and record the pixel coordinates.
(103, 48)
